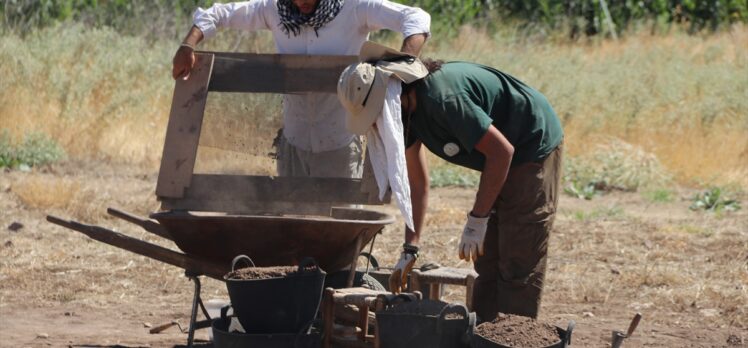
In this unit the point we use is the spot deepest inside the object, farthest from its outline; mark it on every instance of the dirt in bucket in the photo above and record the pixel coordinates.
(250, 273)
(518, 331)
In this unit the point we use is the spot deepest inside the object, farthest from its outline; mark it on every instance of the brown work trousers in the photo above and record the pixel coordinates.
(512, 268)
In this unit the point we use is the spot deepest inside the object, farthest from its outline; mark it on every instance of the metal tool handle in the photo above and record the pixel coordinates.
(162, 327)
(569, 329)
(241, 258)
(634, 324)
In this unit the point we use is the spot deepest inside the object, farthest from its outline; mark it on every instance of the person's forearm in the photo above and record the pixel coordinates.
(499, 153)
(413, 44)
(418, 178)
(491, 181)
(194, 36)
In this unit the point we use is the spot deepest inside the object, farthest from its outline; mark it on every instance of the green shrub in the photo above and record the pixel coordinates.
(715, 200)
(35, 149)
(170, 18)
(613, 165)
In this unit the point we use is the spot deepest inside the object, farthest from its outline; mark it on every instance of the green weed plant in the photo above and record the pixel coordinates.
(613, 165)
(36, 149)
(714, 199)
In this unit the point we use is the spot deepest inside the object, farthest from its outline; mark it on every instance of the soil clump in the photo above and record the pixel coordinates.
(255, 273)
(518, 331)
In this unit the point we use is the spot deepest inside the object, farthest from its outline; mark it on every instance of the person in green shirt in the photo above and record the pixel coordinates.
(483, 119)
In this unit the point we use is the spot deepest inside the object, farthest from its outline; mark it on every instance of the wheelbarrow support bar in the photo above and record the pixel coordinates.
(147, 224)
(142, 248)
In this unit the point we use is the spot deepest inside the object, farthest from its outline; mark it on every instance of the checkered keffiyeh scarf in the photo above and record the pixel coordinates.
(292, 19)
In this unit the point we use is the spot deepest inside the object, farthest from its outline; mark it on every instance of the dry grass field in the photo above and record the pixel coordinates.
(618, 254)
(664, 116)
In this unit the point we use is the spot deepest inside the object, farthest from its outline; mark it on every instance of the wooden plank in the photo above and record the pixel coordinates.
(183, 130)
(277, 73)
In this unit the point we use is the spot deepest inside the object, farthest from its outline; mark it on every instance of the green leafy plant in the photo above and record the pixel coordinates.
(714, 200)
(659, 195)
(35, 149)
(450, 175)
(581, 190)
(613, 165)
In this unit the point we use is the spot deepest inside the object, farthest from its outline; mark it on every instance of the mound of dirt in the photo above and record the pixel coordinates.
(253, 273)
(518, 331)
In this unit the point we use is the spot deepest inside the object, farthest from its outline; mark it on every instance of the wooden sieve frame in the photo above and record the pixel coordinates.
(179, 188)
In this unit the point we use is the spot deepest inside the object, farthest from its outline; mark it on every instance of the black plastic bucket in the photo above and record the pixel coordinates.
(223, 338)
(425, 323)
(277, 305)
(564, 340)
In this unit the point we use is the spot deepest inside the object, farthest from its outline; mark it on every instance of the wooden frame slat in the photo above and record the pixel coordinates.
(183, 129)
(275, 73)
(178, 188)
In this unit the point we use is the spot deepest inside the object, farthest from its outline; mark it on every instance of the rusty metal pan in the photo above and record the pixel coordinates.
(274, 240)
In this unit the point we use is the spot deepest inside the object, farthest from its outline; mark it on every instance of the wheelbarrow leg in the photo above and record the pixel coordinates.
(352, 271)
(196, 301)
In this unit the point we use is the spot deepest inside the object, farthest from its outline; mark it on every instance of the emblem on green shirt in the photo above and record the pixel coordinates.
(451, 149)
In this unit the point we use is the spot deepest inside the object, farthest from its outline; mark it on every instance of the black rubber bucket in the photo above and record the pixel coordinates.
(277, 305)
(223, 338)
(425, 323)
(564, 339)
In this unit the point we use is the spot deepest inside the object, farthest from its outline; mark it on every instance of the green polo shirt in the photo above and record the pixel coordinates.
(457, 103)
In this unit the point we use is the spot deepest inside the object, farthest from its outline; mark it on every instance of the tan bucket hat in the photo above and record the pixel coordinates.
(362, 86)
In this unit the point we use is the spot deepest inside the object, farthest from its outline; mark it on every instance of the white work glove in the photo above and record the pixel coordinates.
(471, 242)
(399, 276)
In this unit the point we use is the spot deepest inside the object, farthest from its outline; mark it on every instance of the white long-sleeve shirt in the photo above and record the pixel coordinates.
(316, 122)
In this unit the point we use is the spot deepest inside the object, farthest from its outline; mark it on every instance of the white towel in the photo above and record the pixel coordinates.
(386, 147)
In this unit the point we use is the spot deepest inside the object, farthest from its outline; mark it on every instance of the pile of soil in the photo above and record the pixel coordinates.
(253, 273)
(518, 331)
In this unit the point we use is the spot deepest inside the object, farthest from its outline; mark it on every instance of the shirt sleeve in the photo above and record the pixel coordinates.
(465, 119)
(384, 14)
(247, 15)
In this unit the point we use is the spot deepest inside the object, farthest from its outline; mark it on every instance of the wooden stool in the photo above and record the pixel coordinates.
(444, 275)
(334, 303)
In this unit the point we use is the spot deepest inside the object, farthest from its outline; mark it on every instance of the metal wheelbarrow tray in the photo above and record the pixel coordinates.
(274, 240)
(211, 240)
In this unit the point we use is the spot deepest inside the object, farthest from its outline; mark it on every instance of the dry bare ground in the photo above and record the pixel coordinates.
(685, 271)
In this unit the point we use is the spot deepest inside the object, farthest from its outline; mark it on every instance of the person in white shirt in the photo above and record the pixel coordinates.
(315, 142)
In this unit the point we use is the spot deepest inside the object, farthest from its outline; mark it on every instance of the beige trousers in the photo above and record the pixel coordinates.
(346, 162)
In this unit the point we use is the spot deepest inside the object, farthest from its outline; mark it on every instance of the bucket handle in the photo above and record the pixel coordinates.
(244, 258)
(569, 329)
(308, 262)
(457, 308)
